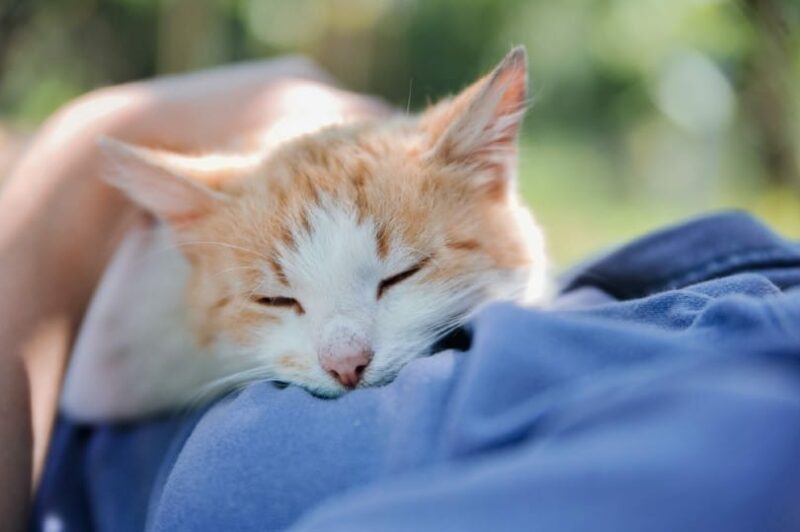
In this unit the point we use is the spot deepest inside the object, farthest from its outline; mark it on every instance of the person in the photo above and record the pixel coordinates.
(59, 225)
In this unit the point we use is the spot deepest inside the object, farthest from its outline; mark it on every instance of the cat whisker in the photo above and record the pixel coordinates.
(229, 383)
(172, 247)
(234, 268)
(221, 244)
(249, 296)
(427, 256)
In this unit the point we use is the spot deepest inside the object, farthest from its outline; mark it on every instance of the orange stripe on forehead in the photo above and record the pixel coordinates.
(382, 240)
(305, 223)
(358, 178)
(464, 245)
(279, 194)
(310, 190)
(286, 236)
(277, 268)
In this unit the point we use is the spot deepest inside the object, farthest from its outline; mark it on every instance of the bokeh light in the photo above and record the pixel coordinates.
(643, 111)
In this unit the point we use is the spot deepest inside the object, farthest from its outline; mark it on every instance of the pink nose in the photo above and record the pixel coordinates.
(346, 368)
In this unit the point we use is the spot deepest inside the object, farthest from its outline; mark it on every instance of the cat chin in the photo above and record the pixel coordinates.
(331, 393)
(327, 391)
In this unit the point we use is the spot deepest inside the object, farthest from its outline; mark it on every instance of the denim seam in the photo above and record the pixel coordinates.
(753, 259)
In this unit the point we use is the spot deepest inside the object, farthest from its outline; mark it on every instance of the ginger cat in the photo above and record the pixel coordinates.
(328, 262)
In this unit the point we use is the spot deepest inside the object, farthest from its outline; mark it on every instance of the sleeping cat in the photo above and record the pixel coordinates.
(328, 262)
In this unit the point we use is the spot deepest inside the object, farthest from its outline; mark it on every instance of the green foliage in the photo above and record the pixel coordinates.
(644, 111)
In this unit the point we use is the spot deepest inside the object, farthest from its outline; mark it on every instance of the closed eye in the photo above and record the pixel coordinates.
(286, 302)
(389, 282)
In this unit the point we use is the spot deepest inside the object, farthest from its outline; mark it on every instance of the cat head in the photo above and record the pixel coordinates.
(338, 257)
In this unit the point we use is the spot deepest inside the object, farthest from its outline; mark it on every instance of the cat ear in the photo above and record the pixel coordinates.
(171, 186)
(481, 125)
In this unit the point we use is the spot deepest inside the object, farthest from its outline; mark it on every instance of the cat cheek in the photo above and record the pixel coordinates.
(292, 363)
(247, 327)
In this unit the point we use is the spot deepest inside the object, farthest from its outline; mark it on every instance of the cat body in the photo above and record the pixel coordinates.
(328, 262)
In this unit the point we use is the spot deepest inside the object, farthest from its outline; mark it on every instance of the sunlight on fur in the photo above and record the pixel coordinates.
(306, 109)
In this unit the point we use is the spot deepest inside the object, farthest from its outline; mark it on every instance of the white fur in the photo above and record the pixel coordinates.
(134, 354)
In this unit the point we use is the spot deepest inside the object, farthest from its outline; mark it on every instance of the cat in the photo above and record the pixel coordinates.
(329, 262)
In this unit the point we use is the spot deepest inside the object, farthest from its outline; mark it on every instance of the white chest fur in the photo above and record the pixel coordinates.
(131, 355)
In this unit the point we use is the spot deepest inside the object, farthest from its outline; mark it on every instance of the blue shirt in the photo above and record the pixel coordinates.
(661, 392)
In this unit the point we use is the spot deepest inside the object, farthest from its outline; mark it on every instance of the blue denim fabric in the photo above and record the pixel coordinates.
(662, 392)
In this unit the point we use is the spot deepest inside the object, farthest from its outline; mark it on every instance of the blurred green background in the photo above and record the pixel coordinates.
(644, 111)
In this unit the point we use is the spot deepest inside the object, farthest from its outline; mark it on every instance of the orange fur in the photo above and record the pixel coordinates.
(424, 205)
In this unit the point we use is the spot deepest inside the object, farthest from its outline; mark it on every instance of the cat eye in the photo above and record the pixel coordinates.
(399, 278)
(286, 302)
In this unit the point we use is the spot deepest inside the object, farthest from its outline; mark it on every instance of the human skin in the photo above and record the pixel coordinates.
(60, 224)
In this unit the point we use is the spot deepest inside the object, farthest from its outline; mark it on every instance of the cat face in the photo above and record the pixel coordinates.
(337, 258)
